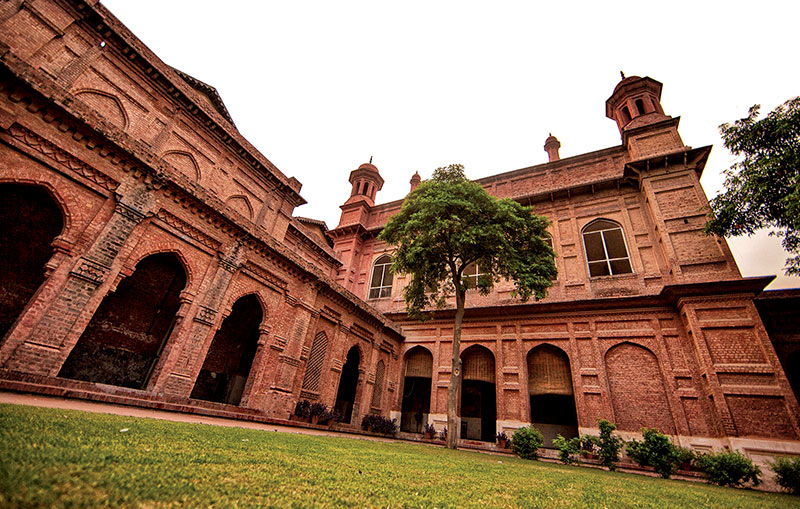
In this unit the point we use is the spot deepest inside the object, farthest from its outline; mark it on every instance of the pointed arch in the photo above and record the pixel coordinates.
(184, 162)
(125, 337)
(551, 394)
(380, 285)
(416, 397)
(241, 204)
(478, 394)
(108, 105)
(230, 357)
(30, 220)
(634, 376)
(348, 384)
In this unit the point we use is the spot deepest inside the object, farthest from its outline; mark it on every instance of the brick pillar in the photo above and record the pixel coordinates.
(45, 349)
(184, 364)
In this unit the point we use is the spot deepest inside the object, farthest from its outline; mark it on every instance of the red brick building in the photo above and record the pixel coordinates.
(153, 259)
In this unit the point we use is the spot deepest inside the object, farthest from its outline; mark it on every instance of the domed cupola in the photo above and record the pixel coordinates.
(636, 102)
(366, 181)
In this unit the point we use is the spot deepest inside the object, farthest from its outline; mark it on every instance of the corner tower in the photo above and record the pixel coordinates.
(366, 181)
(646, 130)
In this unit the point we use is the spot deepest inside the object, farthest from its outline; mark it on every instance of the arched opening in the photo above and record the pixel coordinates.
(29, 221)
(348, 383)
(478, 398)
(551, 394)
(792, 370)
(626, 115)
(416, 405)
(127, 333)
(640, 106)
(230, 356)
(635, 377)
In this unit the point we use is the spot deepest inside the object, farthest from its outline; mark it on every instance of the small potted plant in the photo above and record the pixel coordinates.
(430, 431)
(316, 410)
(588, 445)
(502, 440)
(328, 417)
(302, 411)
(443, 434)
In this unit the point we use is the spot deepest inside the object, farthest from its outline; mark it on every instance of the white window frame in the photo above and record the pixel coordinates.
(607, 259)
(383, 290)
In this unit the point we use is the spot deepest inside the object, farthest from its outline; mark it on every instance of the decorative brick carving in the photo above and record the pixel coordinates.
(205, 315)
(63, 158)
(91, 271)
(189, 230)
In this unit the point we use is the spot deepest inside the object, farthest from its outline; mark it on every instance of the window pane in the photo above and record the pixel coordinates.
(598, 269)
(377, 276)
(615, 244)
(594, 246)
(387, 276)
(621, 267)
(374, 293)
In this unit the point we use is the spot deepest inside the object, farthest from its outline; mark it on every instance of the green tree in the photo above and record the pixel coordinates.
(449, 223)
(762, 189)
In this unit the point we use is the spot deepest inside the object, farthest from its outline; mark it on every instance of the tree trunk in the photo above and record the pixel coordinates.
(455, 375)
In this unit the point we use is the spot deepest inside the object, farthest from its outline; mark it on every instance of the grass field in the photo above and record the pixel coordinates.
(65, 458)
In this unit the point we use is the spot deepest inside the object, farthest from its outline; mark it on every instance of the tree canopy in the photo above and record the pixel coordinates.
(449, 223)
(762, 189)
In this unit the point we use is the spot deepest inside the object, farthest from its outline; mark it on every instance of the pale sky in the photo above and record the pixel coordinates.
(319, 87)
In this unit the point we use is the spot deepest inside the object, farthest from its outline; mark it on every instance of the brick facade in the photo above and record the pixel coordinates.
(140, 220)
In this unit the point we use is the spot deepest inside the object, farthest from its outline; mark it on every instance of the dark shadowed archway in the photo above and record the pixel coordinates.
(29, 221)
(551, 395)
(348, 383)
(478, 397)
(416, 405)
(792, 369)
(127, 333)
(230, 356)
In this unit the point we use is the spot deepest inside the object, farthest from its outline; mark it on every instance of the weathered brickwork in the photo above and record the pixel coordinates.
(158, 263)
(154, 221)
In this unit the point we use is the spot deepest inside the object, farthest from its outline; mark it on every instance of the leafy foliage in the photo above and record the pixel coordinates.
(609, 444)
(567, 448)
(655, 450)
(763, 188)
(526, 442)
(429, 428)
(303, 408)
(379, 424)
(728, 468)
(787, 474)
(449, 222)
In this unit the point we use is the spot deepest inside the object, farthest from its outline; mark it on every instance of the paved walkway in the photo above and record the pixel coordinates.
(107, 408)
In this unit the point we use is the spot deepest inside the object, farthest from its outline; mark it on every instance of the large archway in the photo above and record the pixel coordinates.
(416, 404)
(230, 356)
(127, 333)
(792, 369)
(634, 377)
(29, 221)
(348, 384)
(478, 396)
(551, 394)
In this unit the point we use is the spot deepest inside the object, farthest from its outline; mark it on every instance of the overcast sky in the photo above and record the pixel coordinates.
(319, 87)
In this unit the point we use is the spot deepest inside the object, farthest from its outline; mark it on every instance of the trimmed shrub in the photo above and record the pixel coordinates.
(728, 469)
(588, 444)
(567, 448)
(526, 442)
(609, 444)
(656, 450)
(788, 474)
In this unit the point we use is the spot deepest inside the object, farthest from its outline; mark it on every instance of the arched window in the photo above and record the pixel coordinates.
(605, 247)
(471, 275)
(381, 283)
(640, 106)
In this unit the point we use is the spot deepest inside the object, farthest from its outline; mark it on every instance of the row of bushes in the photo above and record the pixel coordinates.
(318, 413)
(656, 450)
(379, 424)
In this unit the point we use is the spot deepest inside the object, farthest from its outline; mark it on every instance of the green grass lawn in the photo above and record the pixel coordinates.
(62, 458)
